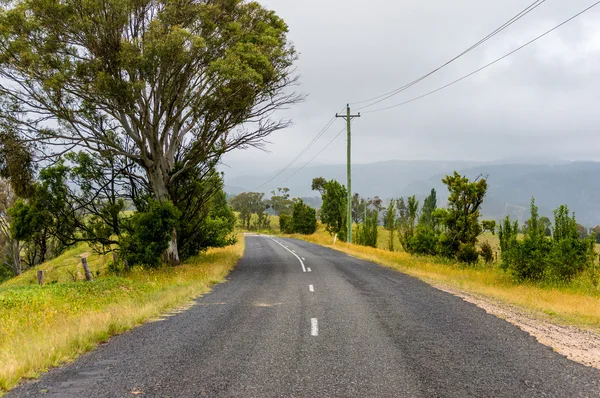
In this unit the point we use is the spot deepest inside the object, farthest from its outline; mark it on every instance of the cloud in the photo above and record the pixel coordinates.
(542, 100)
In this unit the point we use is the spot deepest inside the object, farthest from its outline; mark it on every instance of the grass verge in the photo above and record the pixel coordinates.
(43, 327)
(577, 303)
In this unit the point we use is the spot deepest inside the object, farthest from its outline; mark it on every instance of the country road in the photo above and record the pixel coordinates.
(300, 320)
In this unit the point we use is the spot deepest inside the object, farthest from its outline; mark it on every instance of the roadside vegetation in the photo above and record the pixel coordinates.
(45, 326)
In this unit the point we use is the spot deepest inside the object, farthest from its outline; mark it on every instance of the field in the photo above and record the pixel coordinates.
(577, 303)
(45, 326)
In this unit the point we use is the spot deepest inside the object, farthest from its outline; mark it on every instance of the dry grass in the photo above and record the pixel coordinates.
(42, 327)
(576, 304)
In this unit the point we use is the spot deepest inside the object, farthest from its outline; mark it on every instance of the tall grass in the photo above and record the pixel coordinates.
(576, 303)
(42, 327)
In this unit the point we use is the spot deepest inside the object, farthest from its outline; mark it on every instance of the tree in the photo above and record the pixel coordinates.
(366, 234)
(489, 225)
(462, 217)
(408, 214)
(389, 223)
(10, 247)
(547, 225)
(169, 85)
(333, 211)
(248, 204)
(280, 202)
(429, 206)
(304, 219)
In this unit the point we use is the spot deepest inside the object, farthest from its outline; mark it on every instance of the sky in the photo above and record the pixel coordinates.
(541, 102)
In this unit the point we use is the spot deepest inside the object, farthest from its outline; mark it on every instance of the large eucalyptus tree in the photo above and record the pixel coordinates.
(170, 85)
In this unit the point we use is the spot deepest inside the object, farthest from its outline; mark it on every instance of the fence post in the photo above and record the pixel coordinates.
(40, 277)
(86, 268)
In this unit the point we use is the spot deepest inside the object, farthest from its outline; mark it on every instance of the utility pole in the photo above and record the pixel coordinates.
(349, 118)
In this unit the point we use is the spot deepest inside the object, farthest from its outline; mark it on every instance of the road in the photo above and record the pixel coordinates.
(300, 320)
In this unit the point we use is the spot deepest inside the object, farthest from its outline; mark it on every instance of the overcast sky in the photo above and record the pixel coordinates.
(543, 101)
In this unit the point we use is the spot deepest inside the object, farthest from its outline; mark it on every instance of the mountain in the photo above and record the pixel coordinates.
(511, 185)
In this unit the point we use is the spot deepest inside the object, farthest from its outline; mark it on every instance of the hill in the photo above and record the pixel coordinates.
(511, 185)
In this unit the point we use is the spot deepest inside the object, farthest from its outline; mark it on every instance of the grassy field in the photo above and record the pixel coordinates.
(577, 303)
(42, 327)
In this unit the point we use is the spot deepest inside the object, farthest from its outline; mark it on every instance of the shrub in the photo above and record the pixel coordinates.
(304, 219)
(486, 252)
(285, 224)
(467, 253)
(149, 234)
(424, 241)
(366, 234)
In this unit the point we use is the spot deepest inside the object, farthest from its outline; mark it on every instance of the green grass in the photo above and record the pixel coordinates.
(45, 326)
(576, 303)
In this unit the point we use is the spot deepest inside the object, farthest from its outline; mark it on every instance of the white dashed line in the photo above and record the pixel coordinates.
(299, 259)
(303, 259)
(311, 288)
(308, 269)
(314, 327)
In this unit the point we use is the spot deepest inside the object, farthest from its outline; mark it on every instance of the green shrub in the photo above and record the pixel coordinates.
(467, 253)
(486, 252)
(285, 224)
(424, 241)
(366, 234)
(304, 219)
(149, 234)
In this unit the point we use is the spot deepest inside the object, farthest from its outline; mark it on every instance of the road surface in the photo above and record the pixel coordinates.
(300, 320)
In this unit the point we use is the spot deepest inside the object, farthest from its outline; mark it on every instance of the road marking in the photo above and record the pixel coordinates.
(299, 259)
(308, 269)
(314, 327)
(311, 288)
(303, 259)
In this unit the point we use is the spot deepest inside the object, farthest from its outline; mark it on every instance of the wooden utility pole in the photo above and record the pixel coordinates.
(349, 118)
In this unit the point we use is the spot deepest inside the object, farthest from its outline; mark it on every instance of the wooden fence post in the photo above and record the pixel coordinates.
(86, 268)
(40, 277)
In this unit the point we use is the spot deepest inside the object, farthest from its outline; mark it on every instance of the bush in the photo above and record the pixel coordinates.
(304, 219)
(149, 234)
(537, 257)
(285, 224)
(424, 241)
(486, 252)
(366, 234)
(467, 253)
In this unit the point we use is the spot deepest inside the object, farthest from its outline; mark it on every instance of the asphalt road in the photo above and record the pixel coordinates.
(300, 320)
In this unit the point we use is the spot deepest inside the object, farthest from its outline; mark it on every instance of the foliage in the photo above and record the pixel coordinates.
(429, 206)
(489, 225)
(536, 256)
(285, 224)
(304, 219)
(462, 217)
(389, 223)
(10, 247)
(467, 253)
(486, 252)
(280, 202)
(407, 221)
(149, 234)
(366, 234)
(424, 241)
(169, 86)
(333, 211)
(247, 204)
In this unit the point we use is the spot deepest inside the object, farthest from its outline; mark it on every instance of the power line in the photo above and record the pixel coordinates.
(313, 158)
(490, 64)
(310, 144)
(511, 21)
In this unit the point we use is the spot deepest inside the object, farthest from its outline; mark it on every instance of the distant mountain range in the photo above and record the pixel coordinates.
(511, 185)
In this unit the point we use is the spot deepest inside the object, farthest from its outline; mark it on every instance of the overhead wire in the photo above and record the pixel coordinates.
(306, 148)
(397, 91)
(489, 64)
(313, 158)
